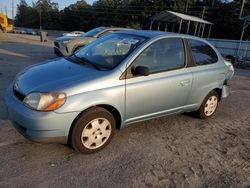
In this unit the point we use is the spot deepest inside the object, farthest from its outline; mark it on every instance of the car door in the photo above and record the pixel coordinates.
(166, 88)
(208, 72)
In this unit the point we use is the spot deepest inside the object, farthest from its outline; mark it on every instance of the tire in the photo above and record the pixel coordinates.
(208, 106)
(92, 130)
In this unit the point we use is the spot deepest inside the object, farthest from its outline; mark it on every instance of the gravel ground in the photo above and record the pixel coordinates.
(174, 151)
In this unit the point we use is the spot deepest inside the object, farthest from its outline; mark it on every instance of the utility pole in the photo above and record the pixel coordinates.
(13, 11)
(203, 12)
(202, 16)
(40, 15)
(242, 7)
(186, 8)
(39, 9)
(6, 11)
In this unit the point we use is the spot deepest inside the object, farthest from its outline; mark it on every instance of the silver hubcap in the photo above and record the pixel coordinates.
(96, 133)
(211, 105)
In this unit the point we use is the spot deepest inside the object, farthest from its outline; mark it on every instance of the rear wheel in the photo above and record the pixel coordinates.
(208, 106)
(92, 131)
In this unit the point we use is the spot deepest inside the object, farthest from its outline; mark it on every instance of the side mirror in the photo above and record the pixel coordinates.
(140, 71)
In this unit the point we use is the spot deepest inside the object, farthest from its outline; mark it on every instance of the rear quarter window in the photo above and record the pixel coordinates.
(202, 53)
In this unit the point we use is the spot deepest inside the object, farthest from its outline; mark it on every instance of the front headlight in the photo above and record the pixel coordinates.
(65, 41)
(45, 101)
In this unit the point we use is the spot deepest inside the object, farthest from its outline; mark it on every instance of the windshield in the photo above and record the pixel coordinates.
(93, 32)
(111, 50)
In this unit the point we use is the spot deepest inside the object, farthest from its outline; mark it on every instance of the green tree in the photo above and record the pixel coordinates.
(50, 14)
(77, 16)
(24, 15)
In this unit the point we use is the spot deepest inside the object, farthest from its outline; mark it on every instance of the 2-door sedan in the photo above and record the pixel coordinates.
(119, 79)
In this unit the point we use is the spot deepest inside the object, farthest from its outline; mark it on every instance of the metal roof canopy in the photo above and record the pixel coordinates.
(246, 23)
(179, 18)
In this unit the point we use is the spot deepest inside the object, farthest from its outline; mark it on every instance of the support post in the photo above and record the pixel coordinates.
(159, 23)
(202, 16)
(243, 30)
(166, 27)
(209, 32)
(151, 23)
(241, 37)
(199, 30)
(188, 27)
(242, 7)
(180, 26)
(203, 28)
(195, 29)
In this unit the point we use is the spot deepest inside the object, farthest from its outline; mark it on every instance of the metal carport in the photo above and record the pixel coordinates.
(170, 17)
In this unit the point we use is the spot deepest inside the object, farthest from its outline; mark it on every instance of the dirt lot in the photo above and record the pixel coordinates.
(175, 151)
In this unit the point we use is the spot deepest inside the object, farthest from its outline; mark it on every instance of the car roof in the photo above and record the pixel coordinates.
(104, 29)
(145, 33)
(116, 28)
(154, 34)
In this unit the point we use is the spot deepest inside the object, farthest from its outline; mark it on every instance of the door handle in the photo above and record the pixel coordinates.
(184, 82)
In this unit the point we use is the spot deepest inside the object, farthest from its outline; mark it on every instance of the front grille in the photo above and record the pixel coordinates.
(56, 44)
(19, 95)
(57, 52)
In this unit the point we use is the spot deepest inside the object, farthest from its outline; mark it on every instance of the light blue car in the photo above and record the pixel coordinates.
(123, 78)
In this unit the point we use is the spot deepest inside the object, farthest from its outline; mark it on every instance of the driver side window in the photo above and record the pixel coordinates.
(163, 55)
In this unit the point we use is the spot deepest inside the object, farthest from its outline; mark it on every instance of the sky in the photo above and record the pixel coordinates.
(7, 4)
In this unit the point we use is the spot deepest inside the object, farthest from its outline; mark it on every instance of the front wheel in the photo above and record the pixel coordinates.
(92, 131)
(208, 106)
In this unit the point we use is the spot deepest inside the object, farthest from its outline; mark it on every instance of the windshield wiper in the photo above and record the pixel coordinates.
(83, 60)
(90, 63)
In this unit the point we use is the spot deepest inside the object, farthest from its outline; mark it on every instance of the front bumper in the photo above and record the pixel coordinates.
(45, 127)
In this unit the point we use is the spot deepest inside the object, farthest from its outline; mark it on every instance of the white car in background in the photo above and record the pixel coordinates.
(20, 31)
(74, 34)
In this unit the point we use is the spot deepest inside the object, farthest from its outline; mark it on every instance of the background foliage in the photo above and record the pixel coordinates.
(130, 13)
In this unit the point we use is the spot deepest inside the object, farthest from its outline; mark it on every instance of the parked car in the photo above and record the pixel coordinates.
(119, 79)
(31, 32)
(16, 30)
(20, 31)
(65, 46)
(74, 34)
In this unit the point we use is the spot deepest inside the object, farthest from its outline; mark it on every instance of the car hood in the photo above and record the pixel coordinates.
(65, 38)
(53, 76)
